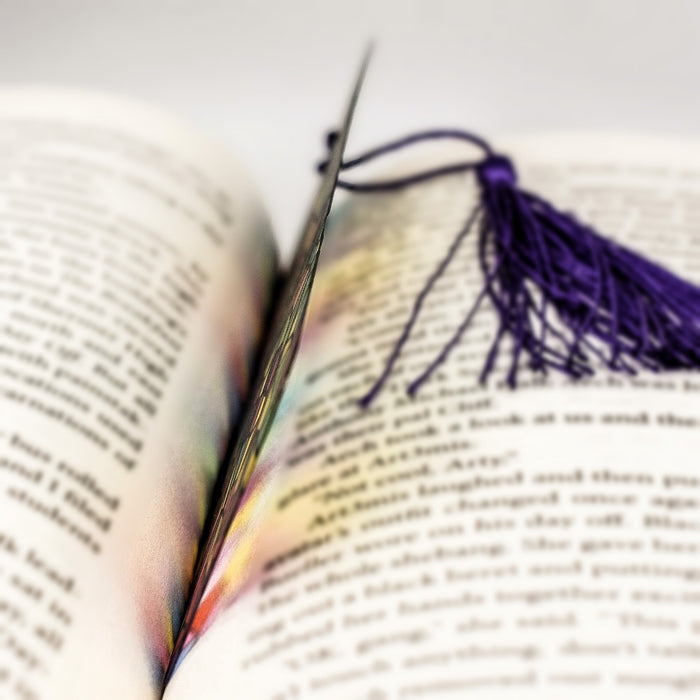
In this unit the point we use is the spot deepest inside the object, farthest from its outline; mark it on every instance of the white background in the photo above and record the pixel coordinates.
(268, 78)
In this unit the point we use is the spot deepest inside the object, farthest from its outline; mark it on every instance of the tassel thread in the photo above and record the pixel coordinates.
(569, 298)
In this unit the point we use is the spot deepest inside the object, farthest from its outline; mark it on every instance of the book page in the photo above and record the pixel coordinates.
(476, 540)
(135, 270)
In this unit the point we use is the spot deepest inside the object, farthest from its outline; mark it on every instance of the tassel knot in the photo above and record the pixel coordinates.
(496, 169)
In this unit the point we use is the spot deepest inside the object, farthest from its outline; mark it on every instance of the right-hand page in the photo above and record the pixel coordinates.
(474, 539)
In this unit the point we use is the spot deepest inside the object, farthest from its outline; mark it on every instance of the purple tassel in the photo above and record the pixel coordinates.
(568, 297)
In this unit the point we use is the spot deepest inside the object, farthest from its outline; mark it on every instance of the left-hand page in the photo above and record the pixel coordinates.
(136, 267)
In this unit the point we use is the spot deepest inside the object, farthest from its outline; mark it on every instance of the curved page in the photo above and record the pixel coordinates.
(135, 271)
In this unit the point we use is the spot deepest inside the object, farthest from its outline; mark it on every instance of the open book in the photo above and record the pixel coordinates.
(471, 541)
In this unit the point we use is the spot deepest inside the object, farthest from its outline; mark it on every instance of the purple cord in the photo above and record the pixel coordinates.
(590, 292)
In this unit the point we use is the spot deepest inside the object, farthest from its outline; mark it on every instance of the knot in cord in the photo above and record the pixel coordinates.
(496, 169)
